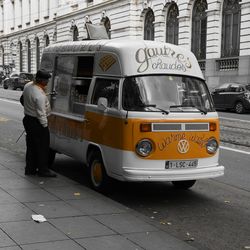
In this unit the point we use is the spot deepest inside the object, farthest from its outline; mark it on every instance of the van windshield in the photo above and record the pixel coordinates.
(166, 93)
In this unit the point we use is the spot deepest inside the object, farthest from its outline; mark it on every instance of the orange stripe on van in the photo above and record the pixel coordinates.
(115, 132)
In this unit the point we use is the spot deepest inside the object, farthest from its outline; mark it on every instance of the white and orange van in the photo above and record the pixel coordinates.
(132, 110)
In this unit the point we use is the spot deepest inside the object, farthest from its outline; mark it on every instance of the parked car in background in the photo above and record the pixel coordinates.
(17, 80)
(232, 96)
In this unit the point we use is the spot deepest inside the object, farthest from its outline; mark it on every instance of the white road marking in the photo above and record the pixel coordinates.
(233, 119)
(3, 119)
(235, 150)
(10, 101)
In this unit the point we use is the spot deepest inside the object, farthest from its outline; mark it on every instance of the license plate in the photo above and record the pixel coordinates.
(181, 164)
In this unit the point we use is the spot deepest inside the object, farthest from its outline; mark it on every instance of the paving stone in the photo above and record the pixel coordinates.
(16, 183)
(124, 223)
(108, 243)
(92, 206)
(6, 198)
(5, 240)
(14, 212)
(52, 183)
(54, 209)
(12, 248)
(79, 227)
(72, 192)
(158, 240)
(6, 173)
(32, 195)
(25, 232)
(55, 245)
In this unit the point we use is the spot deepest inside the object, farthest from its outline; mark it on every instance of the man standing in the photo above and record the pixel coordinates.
(36, 110)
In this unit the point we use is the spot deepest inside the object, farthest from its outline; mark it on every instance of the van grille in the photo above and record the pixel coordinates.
(180, 127)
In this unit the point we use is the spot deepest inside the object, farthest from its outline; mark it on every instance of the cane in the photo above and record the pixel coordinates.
(20, 136)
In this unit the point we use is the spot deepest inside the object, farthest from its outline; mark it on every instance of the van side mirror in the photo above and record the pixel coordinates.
(102, 103)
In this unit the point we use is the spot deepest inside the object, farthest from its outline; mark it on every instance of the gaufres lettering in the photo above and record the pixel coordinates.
(145, 57)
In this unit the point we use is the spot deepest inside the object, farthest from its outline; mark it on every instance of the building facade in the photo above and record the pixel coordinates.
(217, 31)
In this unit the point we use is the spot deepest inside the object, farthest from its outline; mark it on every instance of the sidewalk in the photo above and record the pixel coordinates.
(77, 217)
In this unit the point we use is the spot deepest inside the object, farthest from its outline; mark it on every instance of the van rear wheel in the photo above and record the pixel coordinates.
(183, 184)
(99, 179)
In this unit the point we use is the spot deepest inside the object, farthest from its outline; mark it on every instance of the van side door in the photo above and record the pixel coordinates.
(71, 82)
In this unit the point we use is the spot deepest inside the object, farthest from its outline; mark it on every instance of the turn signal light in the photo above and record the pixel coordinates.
(145, 127)
(212, 126)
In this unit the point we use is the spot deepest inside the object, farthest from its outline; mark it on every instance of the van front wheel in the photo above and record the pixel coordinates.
(100, 181)
(183, 184)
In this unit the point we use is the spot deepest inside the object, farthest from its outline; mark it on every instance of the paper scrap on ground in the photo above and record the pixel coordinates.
(38, 218)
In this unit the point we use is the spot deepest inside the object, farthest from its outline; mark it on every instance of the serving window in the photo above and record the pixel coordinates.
(73, 75)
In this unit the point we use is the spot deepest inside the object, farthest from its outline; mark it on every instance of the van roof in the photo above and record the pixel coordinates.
(133, 57)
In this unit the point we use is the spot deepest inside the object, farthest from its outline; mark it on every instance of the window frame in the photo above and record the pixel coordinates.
(75, 106)
(230, 38)
(95, 103)
(149, 29)
(199, 29)
(172, 25)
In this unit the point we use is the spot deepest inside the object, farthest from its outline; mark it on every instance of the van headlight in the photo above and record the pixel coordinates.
(144, 147)
(212, 146)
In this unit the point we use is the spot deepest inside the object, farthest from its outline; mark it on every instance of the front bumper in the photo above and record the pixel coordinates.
(132, 174)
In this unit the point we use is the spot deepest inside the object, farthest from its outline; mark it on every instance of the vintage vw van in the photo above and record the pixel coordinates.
(132, 110)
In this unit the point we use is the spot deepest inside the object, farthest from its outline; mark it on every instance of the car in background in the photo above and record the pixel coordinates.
(232, 96)
(17, 80)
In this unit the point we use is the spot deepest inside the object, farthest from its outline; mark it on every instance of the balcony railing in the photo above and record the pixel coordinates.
(227, 64)
(202, 64)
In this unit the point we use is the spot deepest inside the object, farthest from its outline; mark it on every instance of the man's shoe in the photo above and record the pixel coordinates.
(30, 172)
(46, 174)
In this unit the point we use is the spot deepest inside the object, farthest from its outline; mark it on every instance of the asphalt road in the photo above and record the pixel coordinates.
(214, 214)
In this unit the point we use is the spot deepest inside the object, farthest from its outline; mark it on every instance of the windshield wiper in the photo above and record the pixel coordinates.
(190, 106)
(154, 106)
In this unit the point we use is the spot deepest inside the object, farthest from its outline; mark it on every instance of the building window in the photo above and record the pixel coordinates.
(46, 40)
(29, 55)
(37, 53)
(20, 56)
(172, 24)
(199, 29)
(149, 29)
(230, 28)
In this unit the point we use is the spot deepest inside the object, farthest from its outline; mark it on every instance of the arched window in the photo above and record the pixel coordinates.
(149, 30)
(28, 55)
(75, 33)
(37, 53)
(230, 28)
(46, 40)
(20, 56)
(199, 29)
(172, 24)
(107, 24)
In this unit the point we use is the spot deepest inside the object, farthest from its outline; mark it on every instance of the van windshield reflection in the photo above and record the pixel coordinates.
(163, 92)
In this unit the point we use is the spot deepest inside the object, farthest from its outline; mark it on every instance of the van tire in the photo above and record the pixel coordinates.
(99, 179)
(183, 184)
